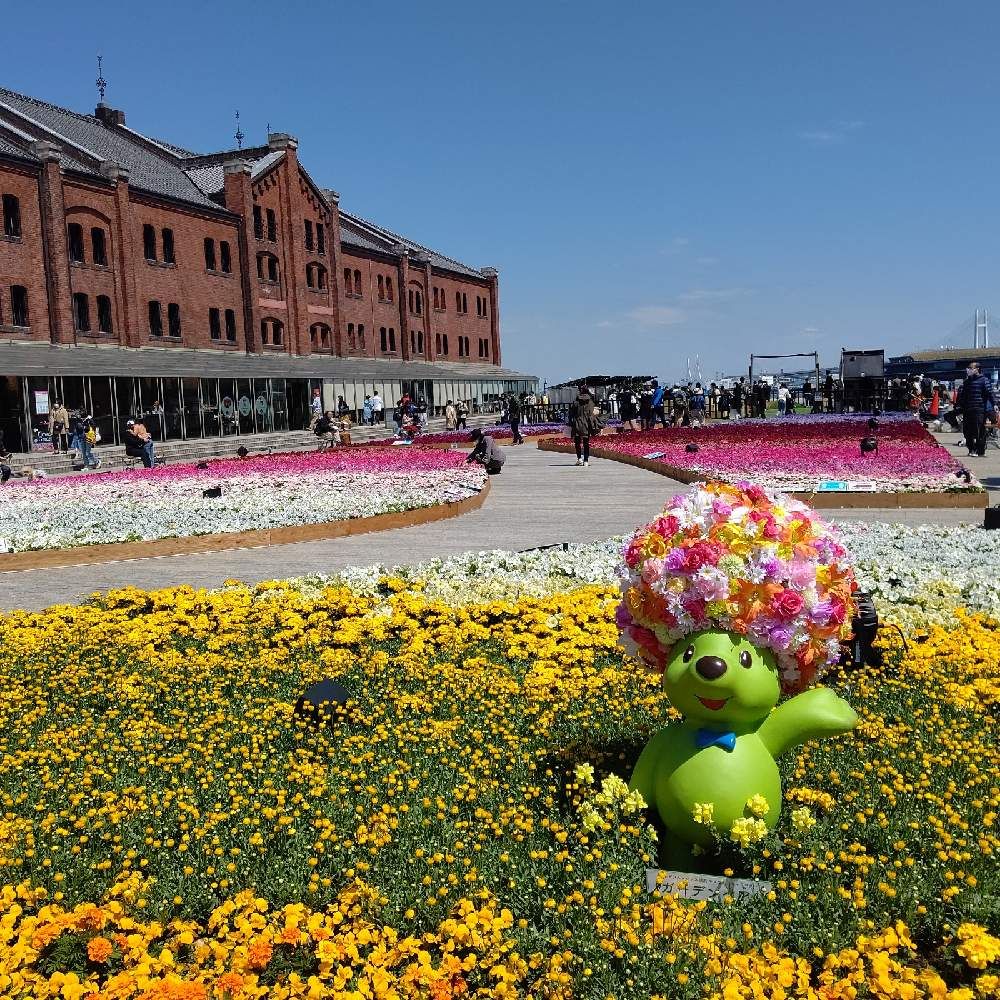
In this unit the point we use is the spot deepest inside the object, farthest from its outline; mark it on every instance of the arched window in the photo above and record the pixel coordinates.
(319, 334)
(392, 339)
(458, 301)
(348, 282)
(361, 336)
(357, 284)
(388, 289)
(99, 246)
(465, 303)
(104, 314)
(75, 245)
(409, 299)
(381, 288)
(272, 226)
(350, 336)
(11, 216)
(149, 242)
(420, 341)
(435, 296)
(420, 304)
(81, 312)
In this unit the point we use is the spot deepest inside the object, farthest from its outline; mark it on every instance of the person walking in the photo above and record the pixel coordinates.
(975, 400)
(583, 422)
(82, 427)
(378, 409)
(514, 416)
(450, 416)
(366, 411)
(315, 407)
(659, 404)
(782, 399)
(646, 407)
(59, 427)
(463, 414)
(486, 453)
(736, 400)
(698, 405)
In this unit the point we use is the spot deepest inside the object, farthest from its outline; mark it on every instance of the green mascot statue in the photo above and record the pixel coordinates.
(737, 596)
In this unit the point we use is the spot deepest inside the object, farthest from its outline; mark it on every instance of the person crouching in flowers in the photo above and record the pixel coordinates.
(736, 596)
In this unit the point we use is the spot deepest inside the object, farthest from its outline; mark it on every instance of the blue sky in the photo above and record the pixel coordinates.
(655, 181)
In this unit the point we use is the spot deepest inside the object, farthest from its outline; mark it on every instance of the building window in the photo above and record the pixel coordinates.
(81, 312)
(168, 246)
(226, 258)
(361, 336)
(272, 226)
(104, 314)
(348, 282)
(19, 306)
(409, 298)
(437, 343)
(357, 285)
(267, 267)
(465, 303)
(320, 238)
(258, 223)
(383, 339)
(420, 303)
(272, 331)
(458, 302)
(209, 254)
(444, 341)
(230, 324)
(319, 334)
(388, 289)
(11, 216)
(392, 339)
(381, 288)
(155, 320)
(413, 341)
(214, 324)
(350, 336)
(316, 276)
(99, 246)
(174, 320)
(75, 246)
(149, 242)
(420, 341)
(309, 235)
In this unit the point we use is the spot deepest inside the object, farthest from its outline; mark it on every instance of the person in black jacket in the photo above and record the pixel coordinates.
(139, 443)
(975, 400)
(514, 415)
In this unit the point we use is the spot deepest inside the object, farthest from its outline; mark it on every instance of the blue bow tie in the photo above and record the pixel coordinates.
(713, 738)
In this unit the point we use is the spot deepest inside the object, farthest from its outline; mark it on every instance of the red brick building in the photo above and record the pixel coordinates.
(134, 272)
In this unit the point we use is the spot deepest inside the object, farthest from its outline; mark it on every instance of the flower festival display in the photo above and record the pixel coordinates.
(267, 491)
(800, 453)
(736, 595)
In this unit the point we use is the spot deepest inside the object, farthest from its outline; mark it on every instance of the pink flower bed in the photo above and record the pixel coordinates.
(798, 453)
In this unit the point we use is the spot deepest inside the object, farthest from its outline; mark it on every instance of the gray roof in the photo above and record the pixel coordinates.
(87, 141)
(166, 169)
(356, 231)
(48, 359)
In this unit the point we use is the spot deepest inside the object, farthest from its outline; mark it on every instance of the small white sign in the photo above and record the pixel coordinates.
(655, 454)
(863, 486)
(688, 885)
(41, 402)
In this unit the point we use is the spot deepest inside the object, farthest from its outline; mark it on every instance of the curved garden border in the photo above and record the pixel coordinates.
(968, 499)
(117, 551)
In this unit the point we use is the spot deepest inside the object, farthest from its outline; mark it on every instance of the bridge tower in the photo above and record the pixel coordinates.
(982, 324)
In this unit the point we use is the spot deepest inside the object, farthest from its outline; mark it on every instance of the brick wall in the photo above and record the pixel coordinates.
(22, 261)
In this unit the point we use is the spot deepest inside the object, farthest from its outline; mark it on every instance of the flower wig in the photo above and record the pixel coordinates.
(737, 558)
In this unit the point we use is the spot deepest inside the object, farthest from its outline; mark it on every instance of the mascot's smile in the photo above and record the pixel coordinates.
(715, 704)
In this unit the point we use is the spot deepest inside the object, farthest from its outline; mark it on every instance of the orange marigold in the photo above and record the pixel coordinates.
(229, 982)
(99, 949)
(259, 954)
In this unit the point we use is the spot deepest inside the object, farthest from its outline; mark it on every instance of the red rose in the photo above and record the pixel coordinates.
(786, 605)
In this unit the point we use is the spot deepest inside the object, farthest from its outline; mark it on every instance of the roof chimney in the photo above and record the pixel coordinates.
(281, 140)
(109, 116)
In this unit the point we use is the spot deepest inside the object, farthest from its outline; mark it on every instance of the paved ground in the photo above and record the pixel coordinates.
(541, 499)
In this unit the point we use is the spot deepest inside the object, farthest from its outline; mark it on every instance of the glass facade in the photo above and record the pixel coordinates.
(189, 407)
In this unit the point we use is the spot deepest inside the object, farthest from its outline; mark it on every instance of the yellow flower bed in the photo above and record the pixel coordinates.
(168, 831)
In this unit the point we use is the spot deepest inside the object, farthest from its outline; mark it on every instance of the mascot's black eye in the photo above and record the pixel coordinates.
(688, 653)
(746, 660)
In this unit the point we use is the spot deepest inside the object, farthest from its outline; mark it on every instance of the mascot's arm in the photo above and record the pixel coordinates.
(805, 717)
(643, 776)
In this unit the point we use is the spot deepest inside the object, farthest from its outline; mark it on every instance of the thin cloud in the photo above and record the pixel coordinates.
(833, 134)
(713, 294)
(676, 245)
(657, 316)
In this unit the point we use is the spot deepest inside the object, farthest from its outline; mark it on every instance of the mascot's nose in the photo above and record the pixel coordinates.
(710, 667)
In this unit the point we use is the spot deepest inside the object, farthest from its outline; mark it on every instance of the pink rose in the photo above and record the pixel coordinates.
(786, 605)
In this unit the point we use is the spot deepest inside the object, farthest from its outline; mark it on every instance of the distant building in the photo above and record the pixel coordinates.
(945, 363)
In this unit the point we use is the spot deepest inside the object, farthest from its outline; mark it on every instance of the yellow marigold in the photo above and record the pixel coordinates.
(977, 946)
(758, 805)
(746, 831)
(802, 819)
(99, 949)
(703, 812)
